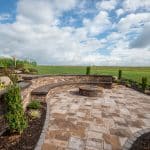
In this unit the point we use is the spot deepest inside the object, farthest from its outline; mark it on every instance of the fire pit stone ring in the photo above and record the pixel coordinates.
(90, 91)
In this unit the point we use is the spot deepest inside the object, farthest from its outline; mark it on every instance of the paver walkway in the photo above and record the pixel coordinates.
(95, 123)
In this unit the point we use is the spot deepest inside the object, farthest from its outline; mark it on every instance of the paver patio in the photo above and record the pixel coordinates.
(95, 123)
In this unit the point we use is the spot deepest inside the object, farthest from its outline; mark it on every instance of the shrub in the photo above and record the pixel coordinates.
(119, 74)
(88, 70)
(6, 62)
(19, 65)
(9, 62)
(144, 83)
(2, 85)
(14, 78)
(25, 70)
(34, 104)
(33, 70)
(15, 114)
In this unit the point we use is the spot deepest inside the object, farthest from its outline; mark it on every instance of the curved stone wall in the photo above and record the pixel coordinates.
(38, 81)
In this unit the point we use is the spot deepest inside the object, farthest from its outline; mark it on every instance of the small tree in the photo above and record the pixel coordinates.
(144, 83)
(14, 59)
(15, 113)
(119, 74)
(88, 70)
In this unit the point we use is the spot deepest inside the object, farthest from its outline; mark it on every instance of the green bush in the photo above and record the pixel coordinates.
(13, 62)
(33, 70)
(144, 83)
(119, 74)
(15, 114)
(6, 62)
(34, 104)
(25, 70)
(19, 65)
(88, 70)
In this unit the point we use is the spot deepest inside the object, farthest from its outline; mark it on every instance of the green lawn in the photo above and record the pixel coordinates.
(134, 73)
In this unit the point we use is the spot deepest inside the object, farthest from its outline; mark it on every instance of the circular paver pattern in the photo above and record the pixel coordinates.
(94, 123)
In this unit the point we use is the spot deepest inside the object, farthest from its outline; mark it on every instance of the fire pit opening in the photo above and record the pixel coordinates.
(90, 90)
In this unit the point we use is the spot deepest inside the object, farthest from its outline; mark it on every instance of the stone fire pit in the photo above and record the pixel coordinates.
(90, 90)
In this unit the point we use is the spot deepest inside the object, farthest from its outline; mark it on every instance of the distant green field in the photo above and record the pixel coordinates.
(134, 73)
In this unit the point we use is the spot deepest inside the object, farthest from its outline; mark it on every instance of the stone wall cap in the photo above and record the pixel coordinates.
(30, 77)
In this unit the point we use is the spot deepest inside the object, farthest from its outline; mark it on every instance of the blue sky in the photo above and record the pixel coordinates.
(76, 32)
(8, 7)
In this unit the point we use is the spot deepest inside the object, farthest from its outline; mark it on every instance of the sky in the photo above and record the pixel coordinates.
(76, 32)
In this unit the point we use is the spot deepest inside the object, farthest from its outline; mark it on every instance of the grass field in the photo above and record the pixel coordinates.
(134, 73)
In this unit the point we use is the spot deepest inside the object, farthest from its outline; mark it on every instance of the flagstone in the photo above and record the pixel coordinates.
(98, 128)
(113, 140)
(120, 121)
(94, 144)
(123, 131)
(76, 143)
(94, 135)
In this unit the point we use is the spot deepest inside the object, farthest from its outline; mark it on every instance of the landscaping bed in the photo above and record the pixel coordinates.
(29, 138)
(142, 143)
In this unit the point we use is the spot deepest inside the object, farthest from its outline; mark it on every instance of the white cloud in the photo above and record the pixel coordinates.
(43, 11)
(99, 24)
(35, 34)
(133, 5)
(35, 12)
(80, 34)
(133, 21)
(134, 57)
(119, 12)
(64, 5)
(91, 45)
(143, 40)
(106, 5)
(114, 38)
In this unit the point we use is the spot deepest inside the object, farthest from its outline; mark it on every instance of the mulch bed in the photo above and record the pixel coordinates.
(142, 143)
(28, 139)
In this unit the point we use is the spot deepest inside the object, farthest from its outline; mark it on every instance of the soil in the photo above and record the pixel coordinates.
(28, 139)
(142, 143)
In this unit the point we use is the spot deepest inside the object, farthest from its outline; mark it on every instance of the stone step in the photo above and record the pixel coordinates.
(43, 90)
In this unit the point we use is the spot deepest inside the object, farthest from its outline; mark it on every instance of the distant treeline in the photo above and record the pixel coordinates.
(12, 62)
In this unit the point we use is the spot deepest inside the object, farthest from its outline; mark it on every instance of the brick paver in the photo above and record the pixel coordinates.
(95, 123)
